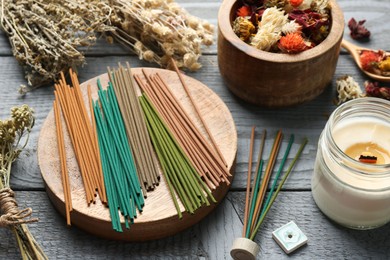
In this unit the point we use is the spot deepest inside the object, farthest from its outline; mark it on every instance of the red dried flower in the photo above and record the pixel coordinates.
(374, 90)
(314, 25)
(295, 3)
(369, 59)
(244, 11)
(292, 43)
(358, 31)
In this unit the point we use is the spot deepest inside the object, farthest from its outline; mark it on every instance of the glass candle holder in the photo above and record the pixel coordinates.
(351, 180)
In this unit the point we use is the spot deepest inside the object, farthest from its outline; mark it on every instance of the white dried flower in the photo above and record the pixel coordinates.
(265, 38)
(161, 30)
(347, 89)
(148, 55)
(306, 4)
(275, 18)
(291, 27)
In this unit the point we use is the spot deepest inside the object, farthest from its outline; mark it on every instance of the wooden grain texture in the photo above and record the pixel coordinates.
(212, 237)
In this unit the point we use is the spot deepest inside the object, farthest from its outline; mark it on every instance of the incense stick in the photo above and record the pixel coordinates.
(198, 112)
(278, 173)
(267, 175)
(248, 183)
(256, 229)
(82, 137)
(201, 154)
(64, 169)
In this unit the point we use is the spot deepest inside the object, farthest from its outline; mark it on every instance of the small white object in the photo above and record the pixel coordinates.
(289, 237)
(244, 249)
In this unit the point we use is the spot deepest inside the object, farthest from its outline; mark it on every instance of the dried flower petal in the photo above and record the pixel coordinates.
(291, 27)
(369, 59)
(244, 11)
(295, 3)
(374, 90)
(292, 43)
(358, 31)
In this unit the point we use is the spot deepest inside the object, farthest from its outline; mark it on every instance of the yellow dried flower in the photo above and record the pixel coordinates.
(385, 64)
(243, 28)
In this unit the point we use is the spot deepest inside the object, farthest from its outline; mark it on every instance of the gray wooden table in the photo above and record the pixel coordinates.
(213, 236)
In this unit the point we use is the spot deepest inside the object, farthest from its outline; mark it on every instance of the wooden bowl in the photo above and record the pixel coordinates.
(276, 79)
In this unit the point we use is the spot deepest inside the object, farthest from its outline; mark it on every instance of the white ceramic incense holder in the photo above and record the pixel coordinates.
(244, 249)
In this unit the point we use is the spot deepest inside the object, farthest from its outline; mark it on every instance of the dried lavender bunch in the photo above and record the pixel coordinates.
(44, 34)
(157, 30)
(14, 133)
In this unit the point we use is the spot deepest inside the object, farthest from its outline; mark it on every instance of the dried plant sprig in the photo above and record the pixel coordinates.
(14, 135)
(347, 89)
(157, 30)
(44, 35)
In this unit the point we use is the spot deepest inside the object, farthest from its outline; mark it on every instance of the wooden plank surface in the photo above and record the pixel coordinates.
(211, 238)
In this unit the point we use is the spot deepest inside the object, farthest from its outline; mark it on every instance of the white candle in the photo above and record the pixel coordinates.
(353, 193)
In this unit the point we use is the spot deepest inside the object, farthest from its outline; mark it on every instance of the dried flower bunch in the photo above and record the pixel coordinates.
(14, 133)
(160, 29)
(287, 26)
(377, 62)
(44, 35)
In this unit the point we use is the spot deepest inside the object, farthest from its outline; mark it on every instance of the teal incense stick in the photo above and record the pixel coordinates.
(286, 153)
(257, 227)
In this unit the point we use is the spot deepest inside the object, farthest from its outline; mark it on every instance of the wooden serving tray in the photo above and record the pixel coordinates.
(159, 217)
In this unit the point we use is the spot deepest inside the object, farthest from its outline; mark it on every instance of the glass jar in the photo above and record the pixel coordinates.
(352, 193)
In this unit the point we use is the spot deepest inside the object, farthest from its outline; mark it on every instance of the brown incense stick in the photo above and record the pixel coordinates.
(82, 135)
(198, 112)
(169, 109)
(267, 175)
(248, 183)
(193, 127)
(64, 169)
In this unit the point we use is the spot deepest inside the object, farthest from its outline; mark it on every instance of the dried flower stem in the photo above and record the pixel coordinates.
(44, 35)
(14, 135)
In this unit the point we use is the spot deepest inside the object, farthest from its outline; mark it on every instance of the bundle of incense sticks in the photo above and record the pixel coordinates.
(120, 175)
(82, 134)
(121, 81)
(256, 206)
(201, 153)
(114, 151)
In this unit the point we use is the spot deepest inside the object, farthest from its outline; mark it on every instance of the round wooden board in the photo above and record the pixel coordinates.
(159, 217)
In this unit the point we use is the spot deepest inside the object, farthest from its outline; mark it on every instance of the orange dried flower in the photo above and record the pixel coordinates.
(369, 59)
(292, 43)
(244, 11)
(295, 3)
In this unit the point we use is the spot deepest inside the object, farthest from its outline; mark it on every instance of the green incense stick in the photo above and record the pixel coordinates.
(278, 173)
(254, 197)
(257, 227)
